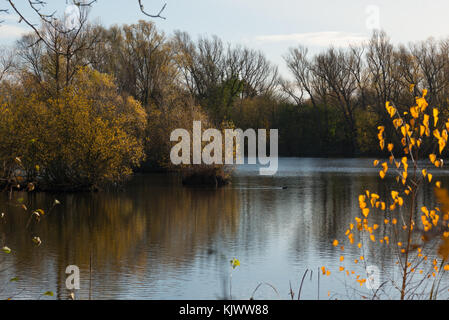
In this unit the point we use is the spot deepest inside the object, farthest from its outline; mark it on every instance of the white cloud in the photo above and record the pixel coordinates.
(317, 39)
(8, 31)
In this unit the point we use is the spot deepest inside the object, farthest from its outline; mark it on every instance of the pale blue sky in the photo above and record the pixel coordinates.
(274, 25)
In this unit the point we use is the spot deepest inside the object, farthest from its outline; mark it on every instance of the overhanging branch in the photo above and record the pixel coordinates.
(38, 5)
(158, 15)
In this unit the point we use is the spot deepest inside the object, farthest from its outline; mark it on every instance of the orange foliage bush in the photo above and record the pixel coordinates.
(84, 138)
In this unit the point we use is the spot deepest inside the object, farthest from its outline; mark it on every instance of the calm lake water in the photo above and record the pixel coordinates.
(159, 240)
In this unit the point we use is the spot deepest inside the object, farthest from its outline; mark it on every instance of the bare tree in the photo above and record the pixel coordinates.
(335, 68)
(7, 62)
(308, 86)
(208, 63)
(141, 59)
(302, 70)
(38, 9)
(257, 73)
(62, 51)
(432, 59)
(381, 67)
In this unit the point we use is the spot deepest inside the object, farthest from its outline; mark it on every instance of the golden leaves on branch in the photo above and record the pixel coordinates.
(442, 138)
(89, 136)
(414, 128)
(390, 109)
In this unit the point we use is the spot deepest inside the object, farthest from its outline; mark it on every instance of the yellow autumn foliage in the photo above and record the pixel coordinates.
(411, 230)
(84, 138)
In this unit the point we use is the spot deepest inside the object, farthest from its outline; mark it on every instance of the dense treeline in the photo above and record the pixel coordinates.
(353, 85)
(87, 106)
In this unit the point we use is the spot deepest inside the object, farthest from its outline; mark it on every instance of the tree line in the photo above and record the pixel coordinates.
(91, 104)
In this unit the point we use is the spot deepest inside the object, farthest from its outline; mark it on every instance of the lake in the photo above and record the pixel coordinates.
(159, 240)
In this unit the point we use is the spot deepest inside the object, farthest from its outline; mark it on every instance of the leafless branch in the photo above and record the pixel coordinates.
(152, 15)
(6, 62)
(37, 7)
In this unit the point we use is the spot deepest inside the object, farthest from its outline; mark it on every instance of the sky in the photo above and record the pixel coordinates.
(271, 26)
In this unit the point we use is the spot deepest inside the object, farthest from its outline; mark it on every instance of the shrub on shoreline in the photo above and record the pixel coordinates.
(86, 137)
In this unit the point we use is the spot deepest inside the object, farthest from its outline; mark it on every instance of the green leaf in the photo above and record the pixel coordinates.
(6, 250)
(15, 279)
(49, 293)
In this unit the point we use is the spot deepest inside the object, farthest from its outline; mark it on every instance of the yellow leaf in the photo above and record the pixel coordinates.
(441, 144)
(365, 212)
(403, 131)
(422, 129)
(432, 157)
(435, 117)
(414, 111)
(422, 103)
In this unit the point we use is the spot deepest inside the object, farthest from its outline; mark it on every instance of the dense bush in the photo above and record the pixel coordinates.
(86, 137)
(180, 113)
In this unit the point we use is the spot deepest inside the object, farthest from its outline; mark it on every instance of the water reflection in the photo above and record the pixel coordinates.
(159, 240)
(154, 227)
